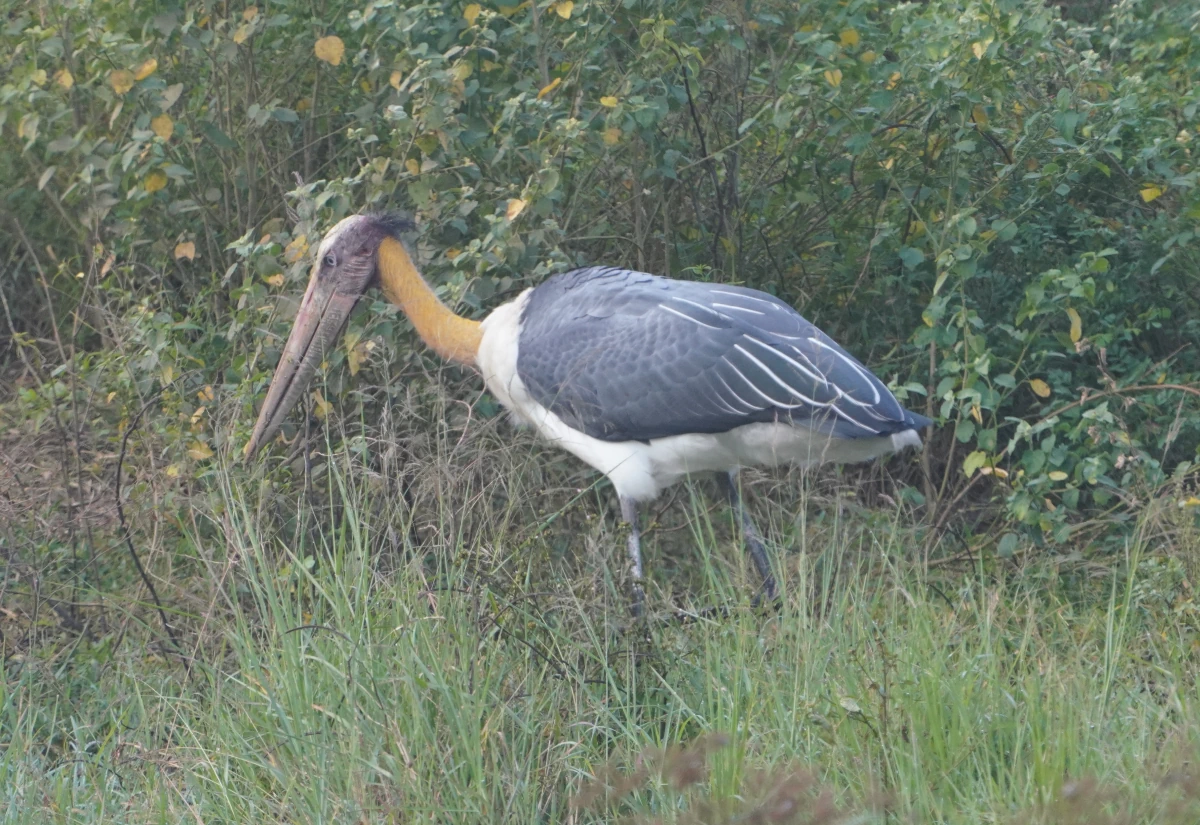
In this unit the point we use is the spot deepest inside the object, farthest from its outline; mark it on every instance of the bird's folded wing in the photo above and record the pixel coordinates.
(626, 356)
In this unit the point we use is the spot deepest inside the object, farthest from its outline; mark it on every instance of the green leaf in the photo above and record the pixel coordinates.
(973, 462)
(1005, 229)
(911, 257)
(214, 134)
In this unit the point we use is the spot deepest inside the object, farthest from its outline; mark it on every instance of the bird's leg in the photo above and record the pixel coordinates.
(630, 514)
(754, 543)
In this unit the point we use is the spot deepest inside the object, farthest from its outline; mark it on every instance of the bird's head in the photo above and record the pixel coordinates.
(346, 266)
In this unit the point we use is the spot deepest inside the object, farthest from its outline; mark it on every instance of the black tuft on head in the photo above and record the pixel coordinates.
(392, 224)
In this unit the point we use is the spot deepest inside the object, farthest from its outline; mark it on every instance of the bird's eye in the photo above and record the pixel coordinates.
(329, 260)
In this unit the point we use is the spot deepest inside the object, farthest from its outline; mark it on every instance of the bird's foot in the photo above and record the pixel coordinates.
(767, 598)
(712, 612)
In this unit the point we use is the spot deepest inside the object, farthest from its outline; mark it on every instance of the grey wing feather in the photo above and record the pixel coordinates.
(623, 355)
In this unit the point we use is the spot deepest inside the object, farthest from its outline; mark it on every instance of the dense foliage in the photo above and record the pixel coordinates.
(996, 209)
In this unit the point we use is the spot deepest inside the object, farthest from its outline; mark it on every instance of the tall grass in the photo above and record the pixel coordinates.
(350, 669)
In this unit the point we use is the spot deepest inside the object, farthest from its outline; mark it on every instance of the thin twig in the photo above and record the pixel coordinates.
(126, 532)
(1120, 391)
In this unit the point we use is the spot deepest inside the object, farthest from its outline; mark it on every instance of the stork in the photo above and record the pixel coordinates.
(644, 378)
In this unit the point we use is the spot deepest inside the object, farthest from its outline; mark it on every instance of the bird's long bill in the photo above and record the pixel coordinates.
(323, 313)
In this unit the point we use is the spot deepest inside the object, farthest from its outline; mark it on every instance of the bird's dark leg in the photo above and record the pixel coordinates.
(754, 543)
(630, 514)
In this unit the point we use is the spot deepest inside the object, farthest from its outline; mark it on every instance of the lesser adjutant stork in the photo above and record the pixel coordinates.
(644, 378)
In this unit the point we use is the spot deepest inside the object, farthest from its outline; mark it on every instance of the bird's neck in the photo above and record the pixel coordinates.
(450, 336)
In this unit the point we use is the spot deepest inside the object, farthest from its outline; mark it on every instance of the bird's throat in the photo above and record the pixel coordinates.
(450, 336)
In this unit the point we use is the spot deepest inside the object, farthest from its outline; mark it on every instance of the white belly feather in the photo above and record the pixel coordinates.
(640, 470)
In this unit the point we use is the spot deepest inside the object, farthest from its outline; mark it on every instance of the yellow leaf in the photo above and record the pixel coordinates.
(186, 249)
(463, 70)
(200, 451)
(1076, 325)
(198, 414)
(250, 13)
(330, 49)
(979, 49)
(394, 80)
(868, 57)
(1192, 501)
(612, 136)
(515, 207)
(242, 34)
(849, 37)
(554, 84)
(564, 9)
(147, 68)
(64, 78)
(121, 80)
(321, 407)
(941, 279)
(608, 101)
(894, 80)
(163, 126)
(358, 355)
(172, 471)
(155, 181)
(1152, 191)
(275, 280)
(976, 414)
(206, 393)
(412, 166)
(980, 114)
(471, 12)
(38, 77)
(1040, 388)
(833, 77)
(295, 250)
(1058, 475)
